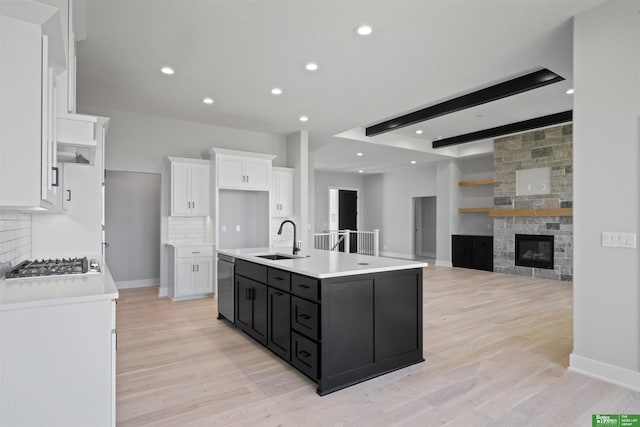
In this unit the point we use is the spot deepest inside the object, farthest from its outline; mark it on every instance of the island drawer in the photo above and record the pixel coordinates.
(305, 287)
(304, 317)
(195, 251)
(304, 355)
(279, 279)
(250, 270)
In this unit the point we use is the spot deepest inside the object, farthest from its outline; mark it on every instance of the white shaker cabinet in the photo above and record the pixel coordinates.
(282, 192)
(32, 54)
(243, 172)
(191, 272)
(190, 187)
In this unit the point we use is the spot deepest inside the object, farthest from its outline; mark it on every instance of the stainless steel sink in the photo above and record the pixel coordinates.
(276, 256)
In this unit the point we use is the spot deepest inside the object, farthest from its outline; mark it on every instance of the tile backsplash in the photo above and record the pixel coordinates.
(15, 237)
(286, 238)
(186, 229)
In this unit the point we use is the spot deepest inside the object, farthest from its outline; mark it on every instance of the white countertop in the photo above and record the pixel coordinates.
(324, 264)
(186, 245)
(52, 290)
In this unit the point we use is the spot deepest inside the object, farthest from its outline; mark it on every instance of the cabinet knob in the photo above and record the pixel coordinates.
(304, 353)
(304, 316)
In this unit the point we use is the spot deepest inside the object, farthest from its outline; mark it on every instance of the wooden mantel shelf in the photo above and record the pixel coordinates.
(466, 210)
(532, 212)
(476, 182)
(520, 212)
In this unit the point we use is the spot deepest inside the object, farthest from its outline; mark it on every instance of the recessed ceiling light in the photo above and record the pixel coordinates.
(167, 70)
(364, 30)
(208, 100)
(311, 66)
(570, 91)
(359, 154)
(276, 91)
(413, 162)
(419, 131)
(360, 171)
(304, 118)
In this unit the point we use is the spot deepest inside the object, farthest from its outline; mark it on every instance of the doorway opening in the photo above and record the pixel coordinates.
(424, 228)
(343, 214)
(132, 228)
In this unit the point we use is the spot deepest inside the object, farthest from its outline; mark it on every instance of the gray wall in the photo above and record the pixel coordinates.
(132, 218)
(324, 180)
(428, 225)
(250, 211)
(141, 143)
(388, 206)
(606, 191)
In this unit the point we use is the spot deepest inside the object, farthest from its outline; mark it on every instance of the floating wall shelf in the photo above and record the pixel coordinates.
(476, 182)
(468, 210)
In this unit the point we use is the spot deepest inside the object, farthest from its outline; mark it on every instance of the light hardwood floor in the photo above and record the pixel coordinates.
(496, 349)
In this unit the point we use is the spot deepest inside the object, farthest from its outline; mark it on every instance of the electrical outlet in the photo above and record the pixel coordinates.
(223, 228)
(237, 227)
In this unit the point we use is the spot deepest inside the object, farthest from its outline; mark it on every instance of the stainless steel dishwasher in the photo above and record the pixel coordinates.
(226, 300)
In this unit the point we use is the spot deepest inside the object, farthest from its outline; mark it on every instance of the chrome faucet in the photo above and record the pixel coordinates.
(295, 248)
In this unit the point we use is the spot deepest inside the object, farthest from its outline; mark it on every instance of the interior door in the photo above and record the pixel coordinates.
(348, 216)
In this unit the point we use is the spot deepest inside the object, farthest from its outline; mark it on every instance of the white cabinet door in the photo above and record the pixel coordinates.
(231, 172)
(204, 276)
(285, 193)
(180, 189)
(282, 192)
(185, 271)
(257, 173)
(200, 183)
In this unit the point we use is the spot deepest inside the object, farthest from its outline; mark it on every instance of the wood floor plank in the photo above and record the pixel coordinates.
(496, 349)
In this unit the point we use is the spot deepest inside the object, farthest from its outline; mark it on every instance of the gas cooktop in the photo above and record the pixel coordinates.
(53, 267)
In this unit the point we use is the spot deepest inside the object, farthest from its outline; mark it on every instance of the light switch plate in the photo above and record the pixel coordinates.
(618, 240)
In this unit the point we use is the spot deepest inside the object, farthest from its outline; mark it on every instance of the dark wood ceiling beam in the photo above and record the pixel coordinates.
(537, 123)
(492, 93)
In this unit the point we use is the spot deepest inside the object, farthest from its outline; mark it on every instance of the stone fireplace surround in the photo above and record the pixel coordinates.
(551, 147)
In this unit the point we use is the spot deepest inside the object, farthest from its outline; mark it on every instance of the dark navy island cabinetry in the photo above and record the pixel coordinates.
(337, 330)
(470, 251)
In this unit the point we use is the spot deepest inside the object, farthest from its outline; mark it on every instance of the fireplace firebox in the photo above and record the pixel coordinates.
(534, 251)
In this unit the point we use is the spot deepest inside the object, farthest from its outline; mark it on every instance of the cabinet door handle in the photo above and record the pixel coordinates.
(57, 175)
(304, 353)
(304, 316)
(278, 278)
(68, 195)
(278, 293)
(193, 205)
(247, 293)
(195, 252)
(303, 286)
(197, 267)
(193, 267)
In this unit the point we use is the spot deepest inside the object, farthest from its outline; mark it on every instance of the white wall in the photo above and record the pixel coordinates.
(297, 146)
(448, 176)
(388, 206)
(606, 191)
(324, 180)
(141, 143)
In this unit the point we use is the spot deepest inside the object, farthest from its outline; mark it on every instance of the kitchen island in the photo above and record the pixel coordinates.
(338, 318)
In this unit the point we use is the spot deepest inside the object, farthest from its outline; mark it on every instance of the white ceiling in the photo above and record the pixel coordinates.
(236, 51)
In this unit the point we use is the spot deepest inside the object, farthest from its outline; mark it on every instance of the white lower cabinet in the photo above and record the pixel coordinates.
(191, 272)
(58, 364)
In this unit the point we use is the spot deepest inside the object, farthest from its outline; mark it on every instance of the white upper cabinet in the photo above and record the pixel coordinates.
(282, 192)
(32, 55)
(239, 170)
(190, 187)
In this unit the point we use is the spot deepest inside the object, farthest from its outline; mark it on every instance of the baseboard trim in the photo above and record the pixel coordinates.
(428, 254)
(443, 263)
(163, 292)
(396, 255)
(143, 283)
(605, 372)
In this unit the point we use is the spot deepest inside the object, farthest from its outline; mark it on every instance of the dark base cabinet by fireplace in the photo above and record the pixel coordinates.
(472, 251)
(337, 331)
